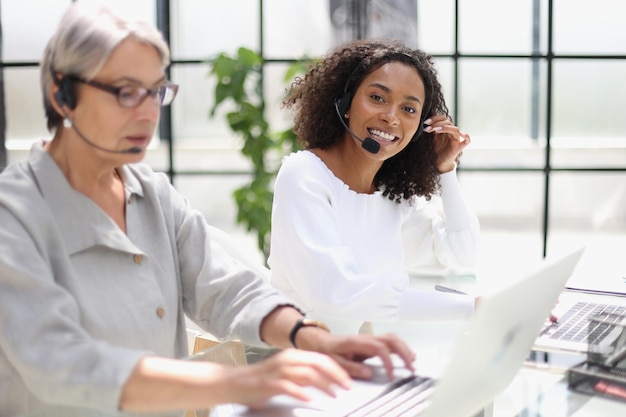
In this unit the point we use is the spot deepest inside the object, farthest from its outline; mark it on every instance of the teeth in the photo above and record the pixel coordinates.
(382, 135)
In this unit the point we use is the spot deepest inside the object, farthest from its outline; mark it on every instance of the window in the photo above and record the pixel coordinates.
(539, 84)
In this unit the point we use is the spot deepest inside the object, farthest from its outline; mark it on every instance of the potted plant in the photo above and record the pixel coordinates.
(239, 81)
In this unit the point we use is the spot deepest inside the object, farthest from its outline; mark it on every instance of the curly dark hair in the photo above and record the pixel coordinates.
(413, 171)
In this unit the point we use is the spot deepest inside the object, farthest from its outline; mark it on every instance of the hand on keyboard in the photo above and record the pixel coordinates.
(350, 351)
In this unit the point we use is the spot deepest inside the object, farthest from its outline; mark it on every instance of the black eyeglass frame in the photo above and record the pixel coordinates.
(165, 99)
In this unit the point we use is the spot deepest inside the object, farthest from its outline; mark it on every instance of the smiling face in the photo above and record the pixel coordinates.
(387, 107)
(100, 117)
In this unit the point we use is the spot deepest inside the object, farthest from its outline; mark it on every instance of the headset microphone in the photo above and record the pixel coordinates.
(67, 122)
(368, 143)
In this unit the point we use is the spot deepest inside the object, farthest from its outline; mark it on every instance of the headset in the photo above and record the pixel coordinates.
(66, 95)
(342, 104)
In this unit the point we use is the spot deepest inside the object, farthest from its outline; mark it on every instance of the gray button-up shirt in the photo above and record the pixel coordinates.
(81, 302)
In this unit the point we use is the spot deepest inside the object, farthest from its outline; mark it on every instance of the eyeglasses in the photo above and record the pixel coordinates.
(132, 95)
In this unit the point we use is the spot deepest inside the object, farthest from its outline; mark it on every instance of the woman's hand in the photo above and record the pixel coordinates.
(288, 373)
(449, 141)
(161, 384)
(348, 350)
(351, 350)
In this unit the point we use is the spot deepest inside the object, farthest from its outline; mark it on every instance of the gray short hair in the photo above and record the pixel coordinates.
(82, 43)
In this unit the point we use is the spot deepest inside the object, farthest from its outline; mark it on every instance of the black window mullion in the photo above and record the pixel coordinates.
(548, 154)
(163, 8)
(3, 116)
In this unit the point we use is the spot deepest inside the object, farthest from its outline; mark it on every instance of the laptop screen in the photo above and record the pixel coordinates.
(602, 268)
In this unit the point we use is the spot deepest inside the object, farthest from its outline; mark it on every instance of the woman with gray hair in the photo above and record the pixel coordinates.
(101, 259)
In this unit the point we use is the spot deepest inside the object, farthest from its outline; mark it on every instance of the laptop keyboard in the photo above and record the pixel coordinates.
(574, 325)
(406, 397)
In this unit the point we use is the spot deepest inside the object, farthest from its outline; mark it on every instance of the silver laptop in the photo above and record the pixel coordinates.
(496, 341)
(597, 287)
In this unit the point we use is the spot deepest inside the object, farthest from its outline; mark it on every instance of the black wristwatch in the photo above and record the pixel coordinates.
(304, 322)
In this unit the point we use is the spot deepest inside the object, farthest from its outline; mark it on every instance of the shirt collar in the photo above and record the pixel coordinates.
(81, 222)
(131, 183)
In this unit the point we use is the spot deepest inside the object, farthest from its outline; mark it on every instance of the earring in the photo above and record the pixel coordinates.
(67, 122)
(345, 115)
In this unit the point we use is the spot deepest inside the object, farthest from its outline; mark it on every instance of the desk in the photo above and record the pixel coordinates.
(535, 391)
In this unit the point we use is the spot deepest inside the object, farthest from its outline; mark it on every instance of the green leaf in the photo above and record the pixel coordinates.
(238, 81)
(248, 57)
(223, 66)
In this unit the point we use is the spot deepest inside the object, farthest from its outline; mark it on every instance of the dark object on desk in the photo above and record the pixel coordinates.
(604, 371)
(596, 380)
(448, 289)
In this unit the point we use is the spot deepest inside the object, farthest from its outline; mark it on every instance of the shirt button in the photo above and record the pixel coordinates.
(160, 312)
(137, 259)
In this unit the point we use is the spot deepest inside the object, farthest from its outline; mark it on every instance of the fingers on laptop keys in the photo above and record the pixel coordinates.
(289, 372)
(381, 347)
(402, 350)
(392, 344)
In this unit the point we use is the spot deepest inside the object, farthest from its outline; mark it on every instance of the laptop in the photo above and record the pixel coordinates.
(597, 287)
(495, 342)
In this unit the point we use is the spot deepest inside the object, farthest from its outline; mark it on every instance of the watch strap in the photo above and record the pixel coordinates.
(304, 322)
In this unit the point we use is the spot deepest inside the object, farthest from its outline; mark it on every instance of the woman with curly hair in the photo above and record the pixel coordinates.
(374, 194)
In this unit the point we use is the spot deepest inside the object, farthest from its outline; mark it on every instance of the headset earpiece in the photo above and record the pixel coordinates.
(65, 96)
(58, 97)
(417, 134)
(344, 103)
(420, 129)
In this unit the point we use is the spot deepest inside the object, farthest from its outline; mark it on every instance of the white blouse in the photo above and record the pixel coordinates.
(344, 256)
